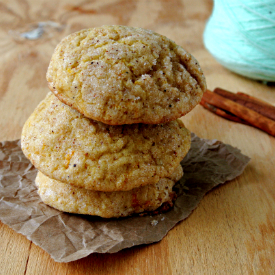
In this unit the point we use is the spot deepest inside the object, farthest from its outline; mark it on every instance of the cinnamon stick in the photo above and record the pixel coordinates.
(222, 113)
(255, 99)
(258, 106)
(252, 117)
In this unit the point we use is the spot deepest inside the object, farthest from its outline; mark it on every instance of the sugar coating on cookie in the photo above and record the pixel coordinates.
(66, 146)
(123, 75)
(66, 197)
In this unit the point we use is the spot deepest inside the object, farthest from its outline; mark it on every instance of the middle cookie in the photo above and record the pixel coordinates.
(66, 146)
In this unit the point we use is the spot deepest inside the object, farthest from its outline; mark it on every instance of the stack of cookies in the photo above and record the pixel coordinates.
(107, 140)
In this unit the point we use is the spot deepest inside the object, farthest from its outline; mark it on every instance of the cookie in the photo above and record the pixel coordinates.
(123, 75)
(66, 146)
(68, 198)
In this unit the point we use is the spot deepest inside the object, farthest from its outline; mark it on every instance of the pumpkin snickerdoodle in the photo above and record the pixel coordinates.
(124, 75)
(68, 198)
(66, 146)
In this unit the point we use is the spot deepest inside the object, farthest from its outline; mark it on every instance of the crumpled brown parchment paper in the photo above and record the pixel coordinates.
(68, 237)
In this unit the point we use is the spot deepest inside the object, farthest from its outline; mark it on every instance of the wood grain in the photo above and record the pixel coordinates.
(232, 230)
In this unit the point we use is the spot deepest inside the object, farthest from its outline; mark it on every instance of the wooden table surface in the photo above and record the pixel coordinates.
(232, 229)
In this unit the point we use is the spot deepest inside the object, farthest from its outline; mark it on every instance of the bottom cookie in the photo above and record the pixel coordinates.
(68, 198)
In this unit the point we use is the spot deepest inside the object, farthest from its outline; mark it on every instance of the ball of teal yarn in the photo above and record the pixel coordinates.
(240, 34)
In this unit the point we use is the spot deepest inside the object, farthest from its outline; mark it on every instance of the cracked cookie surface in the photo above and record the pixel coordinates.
(123, 75)
(68, 198)
(66, 146)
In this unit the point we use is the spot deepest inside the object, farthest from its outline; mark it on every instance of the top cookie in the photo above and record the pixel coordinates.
(123, 75)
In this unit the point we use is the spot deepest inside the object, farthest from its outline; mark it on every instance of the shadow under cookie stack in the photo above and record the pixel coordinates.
(107, 140)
